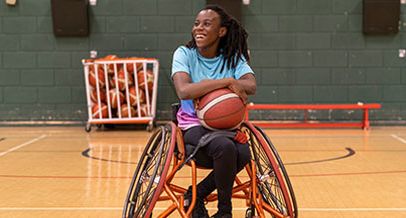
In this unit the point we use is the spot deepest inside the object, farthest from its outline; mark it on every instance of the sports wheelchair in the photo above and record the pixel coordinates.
(267, 191)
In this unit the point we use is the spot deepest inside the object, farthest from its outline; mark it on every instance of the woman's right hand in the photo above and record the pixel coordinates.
(239, 90)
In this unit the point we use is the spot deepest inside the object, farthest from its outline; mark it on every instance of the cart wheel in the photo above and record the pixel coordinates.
(88, 127)
(151, 126)
(99, 126)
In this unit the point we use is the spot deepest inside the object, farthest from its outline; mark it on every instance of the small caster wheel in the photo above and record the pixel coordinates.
(248, 213)
(99, 126)
(88, 127)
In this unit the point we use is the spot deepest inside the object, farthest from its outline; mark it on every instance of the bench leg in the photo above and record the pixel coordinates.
(365, 122)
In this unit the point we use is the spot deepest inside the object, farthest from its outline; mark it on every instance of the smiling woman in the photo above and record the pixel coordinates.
(216, 57)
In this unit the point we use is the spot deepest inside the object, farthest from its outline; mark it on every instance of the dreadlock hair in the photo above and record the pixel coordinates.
(234, 44)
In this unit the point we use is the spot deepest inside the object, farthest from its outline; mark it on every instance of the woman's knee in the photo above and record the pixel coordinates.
(222, 146)
(244, 155)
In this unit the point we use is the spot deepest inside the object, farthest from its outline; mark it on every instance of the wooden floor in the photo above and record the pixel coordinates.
(66, 172)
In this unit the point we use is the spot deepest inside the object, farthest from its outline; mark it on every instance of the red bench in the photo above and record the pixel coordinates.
(306, 123)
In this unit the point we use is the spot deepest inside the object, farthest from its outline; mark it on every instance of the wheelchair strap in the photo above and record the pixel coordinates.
(206, 139)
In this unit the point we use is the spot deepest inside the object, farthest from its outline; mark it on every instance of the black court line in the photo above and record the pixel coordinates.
(350, 153)
(85, 153)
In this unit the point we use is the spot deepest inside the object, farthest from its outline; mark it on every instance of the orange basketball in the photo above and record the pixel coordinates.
(121, 80)
(94, 96)
(100, 76)
(110, 67)
(99, 112)
(144, 110)
(134, 97)
(130, 67)
(150, 79)
(126, 110)
(116, 99)
(221, 109)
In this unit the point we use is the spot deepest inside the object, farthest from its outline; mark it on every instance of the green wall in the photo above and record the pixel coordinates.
(303, 51)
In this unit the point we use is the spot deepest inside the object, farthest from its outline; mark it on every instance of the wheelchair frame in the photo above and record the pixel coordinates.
(268, 191)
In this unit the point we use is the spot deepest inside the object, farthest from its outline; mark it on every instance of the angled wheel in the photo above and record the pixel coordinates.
(150, 174)
(272, 178)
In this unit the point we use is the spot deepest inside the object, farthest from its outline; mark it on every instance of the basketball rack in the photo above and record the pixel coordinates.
(121, 90)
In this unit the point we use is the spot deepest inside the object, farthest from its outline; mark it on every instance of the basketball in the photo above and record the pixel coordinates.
(221, 109)
(141, 79)
(126, 110)
(100, 76)
(122, 78)
(144, 110)
(110, 67)
(94, 96)
(99, 112)
(134, 98)
(116, 99)
(130, 67)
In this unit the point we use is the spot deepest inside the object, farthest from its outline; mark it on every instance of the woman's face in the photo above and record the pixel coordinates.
(207, 31)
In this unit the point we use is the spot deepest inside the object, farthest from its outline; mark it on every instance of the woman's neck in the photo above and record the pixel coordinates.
(209, 51)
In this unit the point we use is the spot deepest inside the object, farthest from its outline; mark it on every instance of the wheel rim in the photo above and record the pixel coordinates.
(292, 197)
(269, 183)
(147, 175)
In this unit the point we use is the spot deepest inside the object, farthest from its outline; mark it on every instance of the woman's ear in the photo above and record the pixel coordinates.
(223, 31)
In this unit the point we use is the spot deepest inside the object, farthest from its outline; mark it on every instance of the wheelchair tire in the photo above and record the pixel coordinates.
(150, 174)
(284, 172)
(273, 181)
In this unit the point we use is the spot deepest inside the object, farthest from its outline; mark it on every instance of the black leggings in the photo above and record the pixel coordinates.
(225, 157)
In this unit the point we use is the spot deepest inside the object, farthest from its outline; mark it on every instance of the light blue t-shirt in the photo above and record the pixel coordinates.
(199, 68)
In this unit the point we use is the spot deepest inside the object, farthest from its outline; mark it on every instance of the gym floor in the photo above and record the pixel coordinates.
(66, 172)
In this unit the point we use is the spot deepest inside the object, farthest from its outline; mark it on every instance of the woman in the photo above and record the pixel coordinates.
(216, 57)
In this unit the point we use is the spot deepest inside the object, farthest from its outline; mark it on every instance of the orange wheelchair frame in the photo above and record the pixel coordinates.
(268, 191)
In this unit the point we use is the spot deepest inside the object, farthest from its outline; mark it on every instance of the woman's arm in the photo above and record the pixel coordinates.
(185, 89)
(248, 83)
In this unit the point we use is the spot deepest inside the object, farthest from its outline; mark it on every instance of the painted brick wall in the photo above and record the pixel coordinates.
(303, 51)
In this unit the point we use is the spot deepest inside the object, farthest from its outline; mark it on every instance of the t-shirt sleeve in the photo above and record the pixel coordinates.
(242, 68)
(180, 61)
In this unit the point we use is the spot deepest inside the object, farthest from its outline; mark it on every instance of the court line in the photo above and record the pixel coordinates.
(22, 145)
(320, 209)
(399, 138)
(186, 177)
(350, 153)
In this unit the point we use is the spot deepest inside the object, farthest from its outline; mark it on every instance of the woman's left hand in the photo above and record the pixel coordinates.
(239, 90)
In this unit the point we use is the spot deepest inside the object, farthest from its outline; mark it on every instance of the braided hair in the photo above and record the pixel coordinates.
(234, 44)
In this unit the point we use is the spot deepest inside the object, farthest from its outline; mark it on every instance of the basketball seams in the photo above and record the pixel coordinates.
(215, 101)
